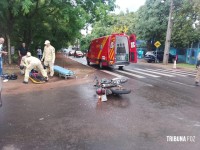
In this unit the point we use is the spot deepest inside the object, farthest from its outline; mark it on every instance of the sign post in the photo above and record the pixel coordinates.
(174, 66)
(157, 44)
(12, 50)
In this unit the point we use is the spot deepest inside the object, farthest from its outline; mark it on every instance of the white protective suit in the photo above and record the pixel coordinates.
(49, 57)
(197, 78)
(198, 56)
(31, 63)
(23, 65)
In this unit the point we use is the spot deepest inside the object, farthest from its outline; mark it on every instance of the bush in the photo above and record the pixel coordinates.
(15, 58)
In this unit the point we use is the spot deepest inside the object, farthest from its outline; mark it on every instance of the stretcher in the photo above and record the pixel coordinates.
(36, 78)
(63, 72)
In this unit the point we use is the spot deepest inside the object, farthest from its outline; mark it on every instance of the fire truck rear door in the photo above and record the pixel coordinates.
(133, 50)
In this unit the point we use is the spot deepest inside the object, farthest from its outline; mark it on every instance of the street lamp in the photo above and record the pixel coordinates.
(168, 35)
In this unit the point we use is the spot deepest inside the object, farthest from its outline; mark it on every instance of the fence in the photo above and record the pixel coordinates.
(191, 56)
(186, 55)
(141, 52)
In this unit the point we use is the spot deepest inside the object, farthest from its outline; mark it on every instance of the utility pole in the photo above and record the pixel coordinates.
(168, 35)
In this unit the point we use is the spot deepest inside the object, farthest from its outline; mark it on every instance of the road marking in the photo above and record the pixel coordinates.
(155, 72)
(181, 83)
(120, 76)
(134, 75)
(168, 72)
(184, 71)
(142, 73)
(178, 71)
(114, 74)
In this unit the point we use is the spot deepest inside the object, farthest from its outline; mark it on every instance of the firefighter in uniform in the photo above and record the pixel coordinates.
(197, 79)
(49, 56)
(32, 62)
(23, 65)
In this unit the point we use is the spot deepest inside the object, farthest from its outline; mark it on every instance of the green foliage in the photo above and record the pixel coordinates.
(184, 32)
(152, 21)
(26, 6)
(60, 21)
(111, 24)
(124, 22)
(196, 7)
(85, 42)
(15, 58)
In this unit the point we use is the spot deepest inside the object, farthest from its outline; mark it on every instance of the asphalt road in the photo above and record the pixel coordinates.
(162, 112)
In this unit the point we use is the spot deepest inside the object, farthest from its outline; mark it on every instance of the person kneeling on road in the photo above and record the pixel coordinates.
(31, 63)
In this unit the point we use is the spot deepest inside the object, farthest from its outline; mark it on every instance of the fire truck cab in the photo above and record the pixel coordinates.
(113, 50)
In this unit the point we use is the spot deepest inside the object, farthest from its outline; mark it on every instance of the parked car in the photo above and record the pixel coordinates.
(65, 51)
(71, 52)
(153, 56)
(78, 54)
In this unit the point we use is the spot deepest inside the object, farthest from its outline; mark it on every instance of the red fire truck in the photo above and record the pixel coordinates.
(113, 50)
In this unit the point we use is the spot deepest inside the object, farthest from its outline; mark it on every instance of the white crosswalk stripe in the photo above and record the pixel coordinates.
(148, 74)
(114, 74)
(168, 72)
(185, 72)
(131, 74)
(155, 72)
(177, 72)
(143, 73)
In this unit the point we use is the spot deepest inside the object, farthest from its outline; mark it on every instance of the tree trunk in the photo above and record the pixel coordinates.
(9, 49)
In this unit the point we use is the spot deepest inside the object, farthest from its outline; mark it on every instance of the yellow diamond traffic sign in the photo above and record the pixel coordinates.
(157, 44)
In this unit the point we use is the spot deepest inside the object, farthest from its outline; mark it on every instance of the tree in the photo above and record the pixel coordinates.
(184, 30)
(60, 21)
(124, 22)
(152, 22)
(113, 23)
(153, 17)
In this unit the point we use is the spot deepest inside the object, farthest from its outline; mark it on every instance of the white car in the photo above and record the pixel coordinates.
(71, 52)
(65, 51)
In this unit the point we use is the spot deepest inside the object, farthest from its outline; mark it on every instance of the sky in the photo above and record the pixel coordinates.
(132, 5)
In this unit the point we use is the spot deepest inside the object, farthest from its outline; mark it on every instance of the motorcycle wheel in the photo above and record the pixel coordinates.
(118, 90)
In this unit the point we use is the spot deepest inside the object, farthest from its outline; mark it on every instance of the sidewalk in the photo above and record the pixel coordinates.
(82, 74)
(161, 65)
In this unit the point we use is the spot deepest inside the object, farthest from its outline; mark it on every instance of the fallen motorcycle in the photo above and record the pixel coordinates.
(113, 86)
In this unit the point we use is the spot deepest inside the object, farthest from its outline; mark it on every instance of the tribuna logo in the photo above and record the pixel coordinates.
(180, 138)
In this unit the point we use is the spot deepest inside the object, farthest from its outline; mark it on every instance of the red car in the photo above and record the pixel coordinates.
(78, 54)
